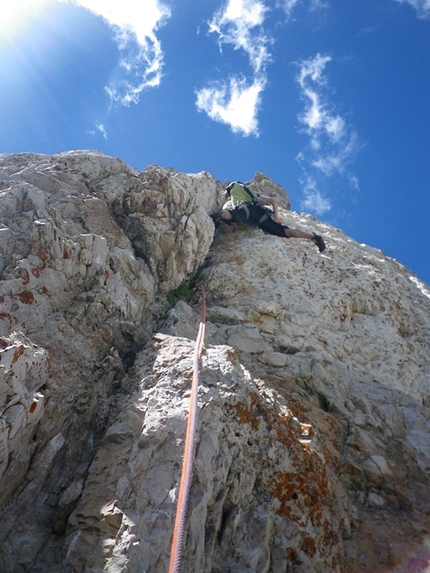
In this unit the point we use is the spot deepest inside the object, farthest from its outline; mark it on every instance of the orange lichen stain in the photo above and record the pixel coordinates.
(32, 407)
(26, 297)
(308, 546)
(294, 491)
(296, 410)
(331, 451)
(233, 357)
(231, 354)
(284, 434)
(330, 536)
(304, 495)
(23, 274)
(255, 400)
(292, 556)
(247, 412)
(351, 469)
(19, 351)
(37, 270)
(43, 255)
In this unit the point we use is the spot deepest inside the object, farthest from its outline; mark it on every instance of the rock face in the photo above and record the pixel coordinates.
(313, 444)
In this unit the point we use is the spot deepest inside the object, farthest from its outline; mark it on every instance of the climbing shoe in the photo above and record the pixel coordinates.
(319, 242)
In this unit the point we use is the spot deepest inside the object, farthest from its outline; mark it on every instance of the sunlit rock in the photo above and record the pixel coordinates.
(313, 441)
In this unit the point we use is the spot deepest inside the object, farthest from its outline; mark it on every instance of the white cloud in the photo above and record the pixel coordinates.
(421, 6)
(239, 23)
(353, 181)
(135, 25)
(316, 4)
(235, 104)
(313, 199)
(289, 5)
(313, 68)
(339, 158)
(333, 143)
(101, 128)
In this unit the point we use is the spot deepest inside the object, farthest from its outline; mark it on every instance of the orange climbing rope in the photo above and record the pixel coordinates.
(184, 487)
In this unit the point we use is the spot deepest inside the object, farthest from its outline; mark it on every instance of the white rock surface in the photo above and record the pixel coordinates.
(313, 448)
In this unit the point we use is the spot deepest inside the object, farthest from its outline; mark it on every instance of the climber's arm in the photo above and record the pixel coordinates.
(274, 203)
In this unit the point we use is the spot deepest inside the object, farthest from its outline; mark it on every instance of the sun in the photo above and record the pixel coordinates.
(17, 15)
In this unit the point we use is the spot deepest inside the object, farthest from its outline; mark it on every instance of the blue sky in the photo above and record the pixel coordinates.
(330, 98)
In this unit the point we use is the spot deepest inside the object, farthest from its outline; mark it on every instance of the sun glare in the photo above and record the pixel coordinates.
(15, 16)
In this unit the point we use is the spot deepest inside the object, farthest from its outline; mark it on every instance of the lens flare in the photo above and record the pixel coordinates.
(18, 15)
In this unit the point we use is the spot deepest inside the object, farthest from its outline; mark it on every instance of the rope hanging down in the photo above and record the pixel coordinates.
(184, 487)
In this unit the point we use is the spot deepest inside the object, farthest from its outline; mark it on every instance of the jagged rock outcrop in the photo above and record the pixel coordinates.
(313, 444)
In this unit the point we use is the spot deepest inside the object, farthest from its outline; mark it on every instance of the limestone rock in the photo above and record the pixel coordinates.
(265, 186)
(285, 503)
(23, 371)
(313, 442)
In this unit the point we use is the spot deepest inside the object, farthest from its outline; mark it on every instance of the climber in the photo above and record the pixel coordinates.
(247, 206)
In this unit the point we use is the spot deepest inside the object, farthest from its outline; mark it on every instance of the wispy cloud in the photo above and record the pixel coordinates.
(313, 200)
(339, 157)
(289, 5)
(239, 24)
(333, 142)
(141, 57)
(101, 128)
(317, 117)
(317, 4)
(421, 6)
(235, 104)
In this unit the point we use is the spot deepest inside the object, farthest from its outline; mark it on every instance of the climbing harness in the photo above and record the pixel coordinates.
(184, 487)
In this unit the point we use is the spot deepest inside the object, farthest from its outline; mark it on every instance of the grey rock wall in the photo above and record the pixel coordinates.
(313, 443)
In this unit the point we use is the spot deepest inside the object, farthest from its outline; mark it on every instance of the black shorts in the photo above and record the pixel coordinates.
(273, 228)
(257, 216)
